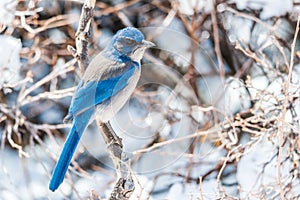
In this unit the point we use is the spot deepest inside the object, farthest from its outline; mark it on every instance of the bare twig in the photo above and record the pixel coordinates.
(217, 41)
(64, 69)
(58, 21)
(56, 94)
(161, 144)
(253, 18)
(284, 110)
(114, 9)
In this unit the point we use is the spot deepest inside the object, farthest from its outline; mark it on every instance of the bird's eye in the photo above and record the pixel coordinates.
(128, 41)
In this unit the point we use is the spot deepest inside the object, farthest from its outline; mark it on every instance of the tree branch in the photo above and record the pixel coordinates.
(83, 35)
(125, 186)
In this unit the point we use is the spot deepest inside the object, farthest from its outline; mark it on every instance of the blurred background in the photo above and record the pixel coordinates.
(215, 114)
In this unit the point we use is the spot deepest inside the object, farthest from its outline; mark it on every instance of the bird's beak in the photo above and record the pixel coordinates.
(147, 44)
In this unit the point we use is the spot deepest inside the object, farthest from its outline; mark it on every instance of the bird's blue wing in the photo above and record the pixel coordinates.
(95, 92)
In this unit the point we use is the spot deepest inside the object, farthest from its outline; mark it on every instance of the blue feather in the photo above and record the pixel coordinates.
(94, 93)
(80, 122)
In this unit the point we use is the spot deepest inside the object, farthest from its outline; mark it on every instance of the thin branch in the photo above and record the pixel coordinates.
(57, 21)
(116, 8)
(57, 72)
(56, 94)
(217, 41)
(160, 144)
(284, 110)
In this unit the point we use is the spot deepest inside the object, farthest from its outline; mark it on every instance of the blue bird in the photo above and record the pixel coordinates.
(106, 85)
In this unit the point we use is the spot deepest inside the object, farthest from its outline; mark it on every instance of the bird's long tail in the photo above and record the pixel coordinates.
(80, 122)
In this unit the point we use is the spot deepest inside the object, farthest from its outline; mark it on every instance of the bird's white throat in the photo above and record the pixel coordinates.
(137, 55)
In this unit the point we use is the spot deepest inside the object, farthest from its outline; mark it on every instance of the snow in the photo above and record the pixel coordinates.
(97, 180)
(269, 8)
(250, 177)
(57, 36)
(180, 52)
(7, 11)
(259, 83)
(188, 7)
(192, 191)
(93, 142)
(197, 114)
(236, 97)
(5, 194)
(229, 97)
(10, 60)
(239, 29)
(143, 187)
(21, 178)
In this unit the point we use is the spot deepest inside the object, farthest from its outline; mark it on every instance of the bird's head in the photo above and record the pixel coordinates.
(131, 42)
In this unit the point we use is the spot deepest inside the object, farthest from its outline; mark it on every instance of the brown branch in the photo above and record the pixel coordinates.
(217, 41)
(114, 9)
(54, 22)
(83, 34)
(167, 142)
(125, 186)
(67, 67)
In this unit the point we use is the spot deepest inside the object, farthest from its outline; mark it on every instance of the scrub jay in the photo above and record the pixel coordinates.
(106, 85)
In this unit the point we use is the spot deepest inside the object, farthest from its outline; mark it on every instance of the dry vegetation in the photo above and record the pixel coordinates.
(271, 116)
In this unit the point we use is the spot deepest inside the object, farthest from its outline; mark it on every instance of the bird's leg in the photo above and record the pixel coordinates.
(114, 135)
(109, 134)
